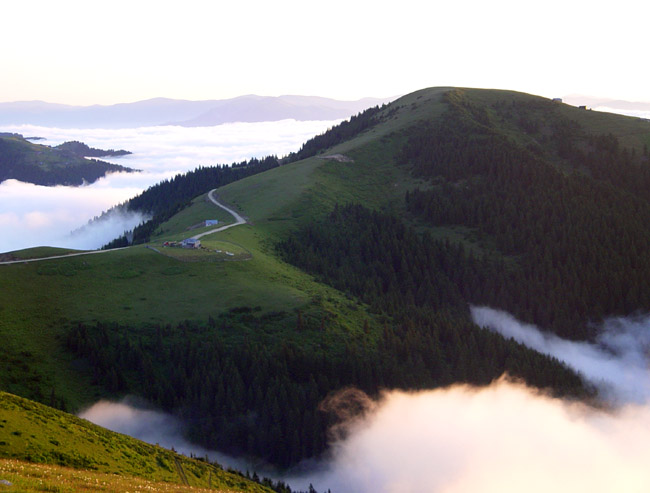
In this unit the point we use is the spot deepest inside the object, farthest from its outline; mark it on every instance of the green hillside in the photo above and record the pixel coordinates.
(356, 268)
(37, 433)
(44, 165)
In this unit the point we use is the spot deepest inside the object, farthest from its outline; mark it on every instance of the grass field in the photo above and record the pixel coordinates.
(98, 457)
(136, 287)
(39, 252)
(200, 210)
(210, 251)
(28, 477)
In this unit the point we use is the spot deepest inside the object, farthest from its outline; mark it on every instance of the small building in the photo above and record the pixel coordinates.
(211, 222)
(557, 100)
(191, 243)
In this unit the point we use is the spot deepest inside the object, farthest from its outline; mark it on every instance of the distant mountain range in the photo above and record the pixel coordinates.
(163, 111)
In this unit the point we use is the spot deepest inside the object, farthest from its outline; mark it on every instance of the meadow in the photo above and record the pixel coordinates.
(66, 453)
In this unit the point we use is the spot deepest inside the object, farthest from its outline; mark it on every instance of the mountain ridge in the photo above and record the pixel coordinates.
(166, 111)
(360, 272)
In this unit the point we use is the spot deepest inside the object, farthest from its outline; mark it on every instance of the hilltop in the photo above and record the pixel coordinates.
(362, 253)
(65, 164)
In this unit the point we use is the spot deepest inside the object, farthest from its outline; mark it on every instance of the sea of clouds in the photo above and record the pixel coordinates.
(505, 437)
(32, 215)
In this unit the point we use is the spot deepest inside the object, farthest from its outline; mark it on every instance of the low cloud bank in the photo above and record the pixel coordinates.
(175, 149)
(501, 438)
(617, 362)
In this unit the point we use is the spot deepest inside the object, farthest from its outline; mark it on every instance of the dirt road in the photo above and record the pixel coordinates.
(238, 219)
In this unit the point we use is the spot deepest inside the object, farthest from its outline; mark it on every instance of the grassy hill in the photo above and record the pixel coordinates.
(43, 165)
(36, 433)
(138, 287)
(375, 177)
(356, 268)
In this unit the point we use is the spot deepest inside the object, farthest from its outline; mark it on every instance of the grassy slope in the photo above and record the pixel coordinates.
(200, 210)
(44, 435)
(138, 286)
(304, 190)
(37, 252)
(29, 477)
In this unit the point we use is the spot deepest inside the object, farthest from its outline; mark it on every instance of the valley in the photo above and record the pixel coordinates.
(363, 253)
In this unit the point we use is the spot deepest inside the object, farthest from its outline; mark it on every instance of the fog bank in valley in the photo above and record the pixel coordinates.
(505, 437)
(616, 362)
(33, 215)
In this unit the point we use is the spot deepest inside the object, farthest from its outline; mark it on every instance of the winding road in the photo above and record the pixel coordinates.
(238, 220)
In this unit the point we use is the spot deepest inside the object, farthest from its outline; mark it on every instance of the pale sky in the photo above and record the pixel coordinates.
(105, 52)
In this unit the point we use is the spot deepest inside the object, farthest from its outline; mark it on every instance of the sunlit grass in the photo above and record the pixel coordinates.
(42, 435)
(40, 252)
(210, 250)
(28, 477)
(177, 227)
